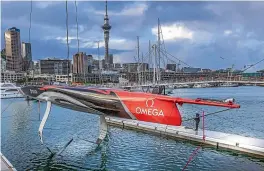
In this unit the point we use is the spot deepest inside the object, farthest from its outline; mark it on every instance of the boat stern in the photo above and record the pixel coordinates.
(31, 91)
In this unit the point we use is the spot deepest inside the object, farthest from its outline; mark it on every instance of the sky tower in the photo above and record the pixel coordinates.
(106, 27)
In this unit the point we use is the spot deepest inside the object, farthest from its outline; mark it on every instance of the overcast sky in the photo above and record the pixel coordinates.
(203, 34)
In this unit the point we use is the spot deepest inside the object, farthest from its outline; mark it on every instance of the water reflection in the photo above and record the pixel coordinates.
(127, 149)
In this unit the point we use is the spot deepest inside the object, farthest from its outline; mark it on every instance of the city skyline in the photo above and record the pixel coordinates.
(203, 34)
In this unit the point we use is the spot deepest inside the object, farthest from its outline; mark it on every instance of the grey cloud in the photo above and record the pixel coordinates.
(208, 20)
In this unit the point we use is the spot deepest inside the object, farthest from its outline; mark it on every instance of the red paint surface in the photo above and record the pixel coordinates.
(147, 107)
(100, 91)
(191, 157)
(48, 87)
(152, 107)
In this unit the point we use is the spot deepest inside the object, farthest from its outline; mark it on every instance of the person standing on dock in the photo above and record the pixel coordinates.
(197, 121)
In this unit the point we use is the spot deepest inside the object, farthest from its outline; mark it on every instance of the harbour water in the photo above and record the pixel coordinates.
(127, 149)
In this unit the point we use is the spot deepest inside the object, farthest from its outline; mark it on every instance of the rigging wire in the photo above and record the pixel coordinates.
(197, 148)
(207, 114)
(67, 34)
(30, 16)
(7, 107)
(177, 58)
(145, 57)
(29, 37)
(169, 59)
(253, 65)
(76, 10)
(98, 53)
(163, 62)
(163, 43)
(165, 53)
(150, 60)
(32, 109)
(77, 32)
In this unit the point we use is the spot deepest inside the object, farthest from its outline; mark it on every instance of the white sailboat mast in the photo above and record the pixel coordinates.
(158, 69)
(154, 68)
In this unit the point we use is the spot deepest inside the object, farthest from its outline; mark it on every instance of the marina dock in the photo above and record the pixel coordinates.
(219, 140)
(5, 164)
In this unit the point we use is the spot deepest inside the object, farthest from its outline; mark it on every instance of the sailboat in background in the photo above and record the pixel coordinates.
(229, 84)
(10, 90)
(144, 86)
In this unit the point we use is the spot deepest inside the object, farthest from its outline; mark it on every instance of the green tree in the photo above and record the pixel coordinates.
(3, 54)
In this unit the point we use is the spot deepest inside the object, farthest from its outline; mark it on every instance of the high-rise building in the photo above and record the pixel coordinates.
(135, 67)
(111, 59)
(80, 63)
(106, 27)
(13, 50)
(96, 64)
(55, 66)
(117, 65)
(90, 63)
(102, 64)
(171, 67)
(36, 67)
(26, 56)
(90, 59)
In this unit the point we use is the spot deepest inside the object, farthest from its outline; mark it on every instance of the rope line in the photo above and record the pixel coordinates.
(191, 157)
(207, 114)
(253, 65)
(164, 51)
(76, 10)
(177, 58)
(26, 108)
(196, 150)
(67, 34)
(145, 58)
(30, 16)
(7, 107)
(163, 43)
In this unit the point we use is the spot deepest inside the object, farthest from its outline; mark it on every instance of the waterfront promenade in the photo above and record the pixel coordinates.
(217, 82)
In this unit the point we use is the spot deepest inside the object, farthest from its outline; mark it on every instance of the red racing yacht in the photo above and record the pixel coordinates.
(140, 106)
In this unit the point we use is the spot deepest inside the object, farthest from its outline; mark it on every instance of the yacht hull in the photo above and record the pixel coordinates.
(141, 106)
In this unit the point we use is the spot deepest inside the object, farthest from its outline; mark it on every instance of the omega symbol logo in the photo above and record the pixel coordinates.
(149, 102)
